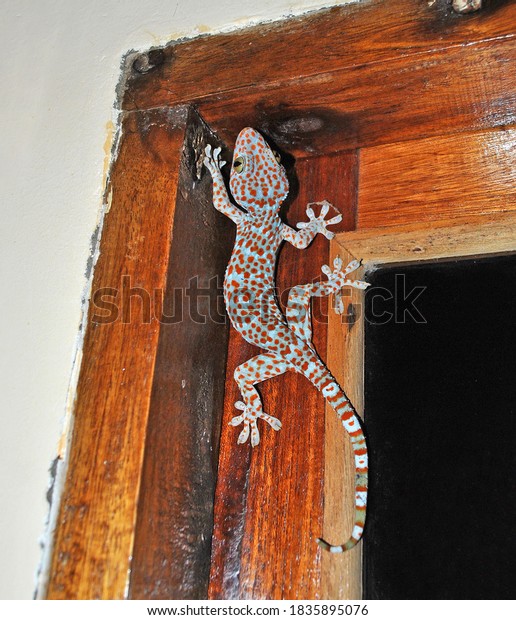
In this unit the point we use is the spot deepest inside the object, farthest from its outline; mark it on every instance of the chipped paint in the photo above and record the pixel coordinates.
(58, 472)
(108, 148)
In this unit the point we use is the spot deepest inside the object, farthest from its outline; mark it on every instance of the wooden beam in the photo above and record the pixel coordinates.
(172, 548)
(144, 449)
(488, 234)
(437, 92)
(341, 574)
(322, 42)
(269, 501)
(95, 530)
(437, 178)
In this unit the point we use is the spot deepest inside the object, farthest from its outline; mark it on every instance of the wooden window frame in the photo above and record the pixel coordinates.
(399, 245)
(322, 96)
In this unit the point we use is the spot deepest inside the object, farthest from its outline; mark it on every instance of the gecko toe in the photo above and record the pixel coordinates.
(242, 438)
(236, 420)
(271, 421)
(255, 435)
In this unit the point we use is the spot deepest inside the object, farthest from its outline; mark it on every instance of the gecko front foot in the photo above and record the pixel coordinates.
(248, 417)
(212, 160)
(319, 224)
(337, 280)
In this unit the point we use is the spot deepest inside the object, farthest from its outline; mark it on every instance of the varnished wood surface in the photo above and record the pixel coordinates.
(341, 576)
(437, 178)
(419, 90)
(482, 235)
(322, 42)
(433, 93)
(269, 501)
(171, 558)
(465, 237)
(95, 530)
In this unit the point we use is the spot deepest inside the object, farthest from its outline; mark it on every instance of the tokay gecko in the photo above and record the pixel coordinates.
(259, 185)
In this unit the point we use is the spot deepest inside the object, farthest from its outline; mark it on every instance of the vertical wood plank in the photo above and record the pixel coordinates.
(341, 573)
(232, 486)
(277, 488)
(172, 548)
(94, 534)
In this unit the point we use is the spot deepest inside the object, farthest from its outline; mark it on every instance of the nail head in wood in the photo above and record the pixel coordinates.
(466, 6)
(147, 61)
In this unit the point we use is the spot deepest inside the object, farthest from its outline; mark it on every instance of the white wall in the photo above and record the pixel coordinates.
(60, 62)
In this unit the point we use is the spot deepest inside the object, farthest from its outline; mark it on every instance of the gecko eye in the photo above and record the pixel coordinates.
(239, 164)
(277, 156)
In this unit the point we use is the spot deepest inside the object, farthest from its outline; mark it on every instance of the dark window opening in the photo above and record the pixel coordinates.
(440, 407)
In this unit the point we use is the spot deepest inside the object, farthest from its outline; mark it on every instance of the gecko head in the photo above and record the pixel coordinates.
(258, 181)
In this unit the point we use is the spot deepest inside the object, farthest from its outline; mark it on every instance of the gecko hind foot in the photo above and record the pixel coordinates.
(248, 418)
(337, 279)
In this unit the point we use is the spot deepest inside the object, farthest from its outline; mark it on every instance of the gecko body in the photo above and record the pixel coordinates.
(259, 185)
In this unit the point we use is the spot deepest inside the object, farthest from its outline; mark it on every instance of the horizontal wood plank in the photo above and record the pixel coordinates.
(488, 234)
(434, 93)
(438, 178)
(95, 529)
(314, 44)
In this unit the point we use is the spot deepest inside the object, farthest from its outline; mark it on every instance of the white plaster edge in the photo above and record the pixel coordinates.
(57, 481)
(241, 24)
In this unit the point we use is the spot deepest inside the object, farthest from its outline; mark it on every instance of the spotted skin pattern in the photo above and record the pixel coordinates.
(259, 185)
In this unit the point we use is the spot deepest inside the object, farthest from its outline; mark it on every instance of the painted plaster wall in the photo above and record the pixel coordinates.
(60, 66)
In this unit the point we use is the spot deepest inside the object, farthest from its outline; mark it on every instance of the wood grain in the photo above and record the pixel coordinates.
(438, 178)
(172, 548)
(488, 234)
(269, 503)
(95, 530)
(341, 574)
(319, 43)
(483, 235)
(416, 88)
(443, 91)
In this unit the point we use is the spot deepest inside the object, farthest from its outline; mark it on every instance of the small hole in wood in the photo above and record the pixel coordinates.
(147, 61)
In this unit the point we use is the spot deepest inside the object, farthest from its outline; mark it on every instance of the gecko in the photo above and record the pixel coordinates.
(259, 185)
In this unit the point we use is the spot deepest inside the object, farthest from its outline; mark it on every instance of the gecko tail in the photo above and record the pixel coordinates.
(349, 544)
(351, 422)
(360, 515)
(336, 548)
(320, 376)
